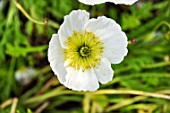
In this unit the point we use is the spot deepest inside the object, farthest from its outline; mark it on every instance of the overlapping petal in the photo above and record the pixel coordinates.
(81, 80)
(74, 22)
(113, 38)
(117, 50)
(93, 2)
(56, 58)
(104, 71)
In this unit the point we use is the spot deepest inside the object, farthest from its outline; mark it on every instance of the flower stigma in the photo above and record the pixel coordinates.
(84, 50)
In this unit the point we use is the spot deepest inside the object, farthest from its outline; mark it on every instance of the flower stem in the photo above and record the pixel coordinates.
(45, 22)
(162, 23)
(42, 107)
(27, 15)
(124, 103)
(14, 105)
(61, 91)
(133, 92)
(131, 101)
(6, 103)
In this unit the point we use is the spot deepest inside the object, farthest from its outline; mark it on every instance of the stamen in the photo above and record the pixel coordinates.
(84, 50)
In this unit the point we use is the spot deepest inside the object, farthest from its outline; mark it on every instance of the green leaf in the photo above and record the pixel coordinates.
(129, 22)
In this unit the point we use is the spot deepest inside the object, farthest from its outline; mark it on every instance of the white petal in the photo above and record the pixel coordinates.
(102, 27)
(104, 71)
(115, 48)
(56, 58)
(127, 2)
(93, 2)
(75, 21)
(113, 38)
(81, 81)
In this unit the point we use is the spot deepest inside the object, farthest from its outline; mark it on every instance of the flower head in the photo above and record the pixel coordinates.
(93, 2)
(24, 75)
(1, 4)
(83, 50)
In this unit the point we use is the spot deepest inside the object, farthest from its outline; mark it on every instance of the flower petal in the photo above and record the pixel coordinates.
(93, 2)
(56, 58)
(104, 71)
(102, 27)
(127, 2)
(113, 38)
(117, 49)
(75, 21)
(81, 80)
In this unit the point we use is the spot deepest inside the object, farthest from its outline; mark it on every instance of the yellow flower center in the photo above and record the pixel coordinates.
(84, 50)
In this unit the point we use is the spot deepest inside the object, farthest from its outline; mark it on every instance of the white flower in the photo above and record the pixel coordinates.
(1, 4)
(93, 2)
(83, 50)
(25, 75)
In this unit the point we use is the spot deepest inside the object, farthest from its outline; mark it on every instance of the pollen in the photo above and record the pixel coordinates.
(84, 50)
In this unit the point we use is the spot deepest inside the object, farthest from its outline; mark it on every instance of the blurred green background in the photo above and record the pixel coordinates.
(141, 83)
